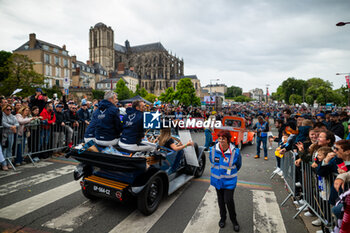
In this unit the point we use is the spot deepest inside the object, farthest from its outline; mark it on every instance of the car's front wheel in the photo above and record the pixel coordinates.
(199, 170)
(150, 198)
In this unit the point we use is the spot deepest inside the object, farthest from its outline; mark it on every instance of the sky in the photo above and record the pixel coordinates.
(250, 43)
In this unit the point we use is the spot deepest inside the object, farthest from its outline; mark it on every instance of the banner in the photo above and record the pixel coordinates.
(347, 80)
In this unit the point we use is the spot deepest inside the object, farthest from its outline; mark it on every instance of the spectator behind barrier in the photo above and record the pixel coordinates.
(10, 124)
(23, 120)
(108, 126)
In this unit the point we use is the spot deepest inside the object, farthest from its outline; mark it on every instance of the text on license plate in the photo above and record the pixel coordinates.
(101, 190)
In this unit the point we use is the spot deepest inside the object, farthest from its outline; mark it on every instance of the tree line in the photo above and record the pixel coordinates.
(297, 91)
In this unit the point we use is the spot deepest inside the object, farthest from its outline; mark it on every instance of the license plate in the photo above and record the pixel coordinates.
(103, 190)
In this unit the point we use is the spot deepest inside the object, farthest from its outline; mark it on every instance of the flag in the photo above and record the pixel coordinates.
(16, 91)
(347, 80)
(267, 92)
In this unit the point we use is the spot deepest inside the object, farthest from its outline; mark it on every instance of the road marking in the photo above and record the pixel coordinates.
(21, 168)
(206, 217)
(36, 202)
(244, 184)
(74, 218)
(267, 216)
(141, 223)
(33, 180)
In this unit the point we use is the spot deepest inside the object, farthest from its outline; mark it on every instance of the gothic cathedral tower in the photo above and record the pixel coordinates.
(101, 49)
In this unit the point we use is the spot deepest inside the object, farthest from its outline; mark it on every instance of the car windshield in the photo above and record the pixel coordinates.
(232, 123)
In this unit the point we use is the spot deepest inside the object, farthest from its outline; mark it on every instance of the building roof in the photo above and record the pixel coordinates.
(140, 48)
(38, 45)
(100, 24)
(113, 80)
(188, 76)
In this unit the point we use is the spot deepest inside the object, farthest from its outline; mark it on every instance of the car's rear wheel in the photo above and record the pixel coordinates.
(252, 141)
(201, 161)
(150, 198)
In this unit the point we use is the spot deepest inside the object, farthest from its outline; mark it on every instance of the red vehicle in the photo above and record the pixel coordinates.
(240, 135)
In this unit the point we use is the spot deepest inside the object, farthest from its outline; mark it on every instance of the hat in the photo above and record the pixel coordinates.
(70, 102)
(84, 104)
(96, 105)
(321, 115)
(334, 114)
(59, 106)
(39, 90)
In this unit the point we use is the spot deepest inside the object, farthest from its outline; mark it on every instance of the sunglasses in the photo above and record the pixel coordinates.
(8, 109)
(336, 148)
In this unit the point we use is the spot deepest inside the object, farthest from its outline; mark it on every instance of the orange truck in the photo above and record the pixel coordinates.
(240, 135)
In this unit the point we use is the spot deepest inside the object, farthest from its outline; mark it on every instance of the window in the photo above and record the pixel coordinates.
(56, 72)
(65, 62)
(92, 71)
(48, 70)
(57, 82)
(47, 58)
(55, 50)
(88, 69)
(65, 73)
(45, 47)
(57, 60)
(26, 47)
(65, 53)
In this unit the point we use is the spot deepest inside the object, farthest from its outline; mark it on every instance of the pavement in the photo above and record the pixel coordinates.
(45, 198)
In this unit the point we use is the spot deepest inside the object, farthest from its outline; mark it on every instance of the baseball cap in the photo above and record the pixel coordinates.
(59, 106)
(39, 90)
(334, 114)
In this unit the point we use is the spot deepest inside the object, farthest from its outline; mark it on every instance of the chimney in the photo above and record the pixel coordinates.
(64, 47)
(74, 58)
(88, 62)
(32, 40)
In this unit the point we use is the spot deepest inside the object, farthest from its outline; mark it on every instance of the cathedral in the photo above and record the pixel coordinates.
(156, 68)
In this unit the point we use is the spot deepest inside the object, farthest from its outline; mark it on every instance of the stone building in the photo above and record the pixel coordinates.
(216, 88)
(50, 60)
(86, 75)
(156, 68)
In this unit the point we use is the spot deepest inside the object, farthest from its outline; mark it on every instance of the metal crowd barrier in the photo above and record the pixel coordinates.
(316, 194)
(288, 168)
(42, 138)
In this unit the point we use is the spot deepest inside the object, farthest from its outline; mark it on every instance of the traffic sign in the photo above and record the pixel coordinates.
(66, 90)
(66, 83)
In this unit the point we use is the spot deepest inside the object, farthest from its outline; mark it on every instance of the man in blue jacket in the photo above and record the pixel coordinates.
(108, 126)
(133, 131)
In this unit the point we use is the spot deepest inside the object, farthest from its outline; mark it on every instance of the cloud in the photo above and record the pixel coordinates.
(244, 43)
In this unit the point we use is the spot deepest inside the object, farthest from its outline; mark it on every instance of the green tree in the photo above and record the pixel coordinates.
(143, 92)
(242, 98)
(122, 90)
(167, 96)
(233, 91)
(21, 75)
(295, 99)
(292, 86)
(185, 93)
(4, 72)
(150, 97)
(98, 94)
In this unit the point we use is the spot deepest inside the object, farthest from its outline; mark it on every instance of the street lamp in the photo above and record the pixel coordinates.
(348, 74)
(340, 24)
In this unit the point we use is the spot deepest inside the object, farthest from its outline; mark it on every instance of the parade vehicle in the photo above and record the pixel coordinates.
(146, 176)
(240, 134)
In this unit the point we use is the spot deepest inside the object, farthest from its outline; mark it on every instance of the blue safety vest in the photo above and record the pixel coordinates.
(262, 127)
(224, 171)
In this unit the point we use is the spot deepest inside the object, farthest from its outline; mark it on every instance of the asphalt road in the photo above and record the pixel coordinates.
(44, 199)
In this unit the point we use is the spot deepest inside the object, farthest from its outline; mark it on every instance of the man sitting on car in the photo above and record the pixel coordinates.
(133, 131)
(108, 125)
